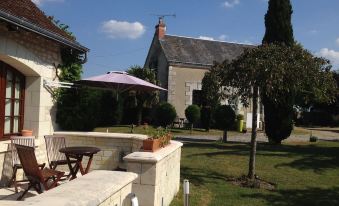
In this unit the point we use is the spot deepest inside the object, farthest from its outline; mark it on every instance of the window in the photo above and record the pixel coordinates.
(12, 96)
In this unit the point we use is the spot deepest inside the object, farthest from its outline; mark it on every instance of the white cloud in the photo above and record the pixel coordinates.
(313, 31)
(230, 3)
(337, 41)
(123, 29)
(223, 37)
(206, 38)
(40, 2)
(330, 54)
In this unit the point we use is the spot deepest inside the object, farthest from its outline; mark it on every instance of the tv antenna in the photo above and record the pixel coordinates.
(162, 16)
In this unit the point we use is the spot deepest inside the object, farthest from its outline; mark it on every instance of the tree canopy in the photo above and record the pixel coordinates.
(279, 70)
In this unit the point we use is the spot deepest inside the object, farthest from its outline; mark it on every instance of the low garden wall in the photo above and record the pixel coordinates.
(114, 146)
(98, 188)
(158, 174)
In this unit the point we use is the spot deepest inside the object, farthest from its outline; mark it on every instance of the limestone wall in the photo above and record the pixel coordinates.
(158, 174)
(182, 82)
(35, 57)
(114, 147)
(98, 188)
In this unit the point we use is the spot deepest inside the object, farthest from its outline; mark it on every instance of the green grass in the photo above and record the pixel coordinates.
(305, 174)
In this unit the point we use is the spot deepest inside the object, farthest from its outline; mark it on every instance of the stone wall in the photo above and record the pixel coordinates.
(98, 188)
(114, 147)
(35, 57)
(181, 83)
(158, 174)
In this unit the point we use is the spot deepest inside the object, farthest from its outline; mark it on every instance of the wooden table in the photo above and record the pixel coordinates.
(78, 153)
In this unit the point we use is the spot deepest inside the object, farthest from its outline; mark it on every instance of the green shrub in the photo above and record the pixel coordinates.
(313, 139)
(240, 117)
(192, 114)
(165, 114)
(278, 121)
(224, 118)
(78, 109)
(206, 117)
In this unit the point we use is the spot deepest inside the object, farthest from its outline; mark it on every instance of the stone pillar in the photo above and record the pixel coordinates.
(158, 174)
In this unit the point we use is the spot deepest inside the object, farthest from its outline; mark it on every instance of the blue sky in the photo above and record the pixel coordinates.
(119, 32)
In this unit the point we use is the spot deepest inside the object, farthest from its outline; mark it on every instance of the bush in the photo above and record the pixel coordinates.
(78, 109)
(313, 138)
(165, 114)
(240, 117)
(206, 117)
(278, 120)
(192, 114)
(224, 119)
(110, 109)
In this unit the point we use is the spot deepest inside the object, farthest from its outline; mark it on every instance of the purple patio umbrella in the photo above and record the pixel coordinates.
(120, 81)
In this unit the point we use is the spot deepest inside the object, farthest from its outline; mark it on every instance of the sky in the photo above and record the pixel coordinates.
(119, 32)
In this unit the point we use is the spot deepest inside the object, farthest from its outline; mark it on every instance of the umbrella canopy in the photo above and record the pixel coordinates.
(120, 81)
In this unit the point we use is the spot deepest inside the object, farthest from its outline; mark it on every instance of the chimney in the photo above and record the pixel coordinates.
(160, 28)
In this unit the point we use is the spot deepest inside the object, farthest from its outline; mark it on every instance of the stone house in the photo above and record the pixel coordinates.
(30, 50)
(181, 63)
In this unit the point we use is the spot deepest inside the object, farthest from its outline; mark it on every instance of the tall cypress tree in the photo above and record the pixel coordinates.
(278, 116)
(278, 23)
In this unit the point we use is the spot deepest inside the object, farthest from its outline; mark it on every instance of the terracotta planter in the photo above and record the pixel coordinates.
(26, 132)
(151, 145)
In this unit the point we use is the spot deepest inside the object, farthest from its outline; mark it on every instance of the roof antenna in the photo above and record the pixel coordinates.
(162, 16)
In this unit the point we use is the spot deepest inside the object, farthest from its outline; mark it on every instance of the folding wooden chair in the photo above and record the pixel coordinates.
(55, 158)
(39, 179)
(28, 141)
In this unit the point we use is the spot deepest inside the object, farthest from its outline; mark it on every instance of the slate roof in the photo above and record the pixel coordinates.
(27, 15)
(200, 52)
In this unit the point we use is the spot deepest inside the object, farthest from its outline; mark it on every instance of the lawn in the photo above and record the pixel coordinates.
(174, 131)
(305, 174)
(178, 131)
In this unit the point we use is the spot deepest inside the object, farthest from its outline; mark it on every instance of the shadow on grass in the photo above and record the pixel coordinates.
(307, 197)
(304, 157)
(202, 176)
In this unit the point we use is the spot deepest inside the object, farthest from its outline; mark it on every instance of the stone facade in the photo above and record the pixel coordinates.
(35, 57)
(181, 83)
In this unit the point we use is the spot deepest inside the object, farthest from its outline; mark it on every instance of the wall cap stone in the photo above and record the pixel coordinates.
(153, 157)
(103, 134)
(90, 190)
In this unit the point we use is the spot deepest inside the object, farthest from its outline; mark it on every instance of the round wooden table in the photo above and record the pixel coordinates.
(78, 153)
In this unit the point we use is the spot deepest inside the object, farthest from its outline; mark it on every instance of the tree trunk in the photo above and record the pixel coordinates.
(224, 137)
(251, 168)
(191, 128)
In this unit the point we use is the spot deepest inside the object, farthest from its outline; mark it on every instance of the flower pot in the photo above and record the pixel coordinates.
(26, 132)
(151, 145)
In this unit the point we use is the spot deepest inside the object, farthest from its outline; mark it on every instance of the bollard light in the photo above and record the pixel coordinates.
(186, 188)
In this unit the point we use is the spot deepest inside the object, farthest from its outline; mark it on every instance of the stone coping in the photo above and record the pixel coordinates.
(103, 134)
(90, 190)
(153, 157)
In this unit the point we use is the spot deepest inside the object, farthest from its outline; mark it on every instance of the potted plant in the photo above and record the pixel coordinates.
(26, 132)
(159, 138)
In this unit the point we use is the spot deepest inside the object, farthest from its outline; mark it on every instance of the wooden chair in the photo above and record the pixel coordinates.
(39, 179)
(28, 141)
(55, 158)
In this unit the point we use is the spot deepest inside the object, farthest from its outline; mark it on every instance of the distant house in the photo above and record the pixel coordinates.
(30, 50)
(181, 63)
